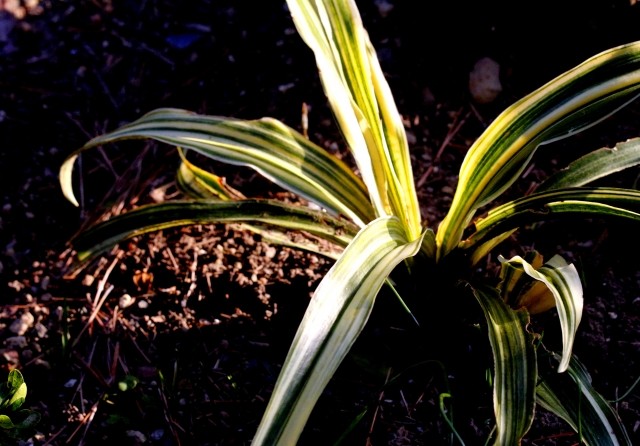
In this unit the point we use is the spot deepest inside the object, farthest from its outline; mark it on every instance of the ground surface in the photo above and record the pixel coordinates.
(176, 338)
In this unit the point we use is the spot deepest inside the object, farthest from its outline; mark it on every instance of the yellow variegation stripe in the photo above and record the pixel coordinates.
(571, 102)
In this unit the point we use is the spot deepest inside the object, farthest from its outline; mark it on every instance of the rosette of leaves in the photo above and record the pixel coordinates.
(15, 423)
(373, 220)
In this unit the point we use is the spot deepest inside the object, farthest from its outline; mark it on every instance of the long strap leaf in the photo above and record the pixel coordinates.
(573, 101)
(572, 397)
(336, 315)
(515, 363)
(595, 165)
(586, 202)
(154, 217)
(268, 146)
(362, 102)
(563, 281)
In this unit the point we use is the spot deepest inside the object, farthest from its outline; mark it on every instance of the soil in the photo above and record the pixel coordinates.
(176, 338)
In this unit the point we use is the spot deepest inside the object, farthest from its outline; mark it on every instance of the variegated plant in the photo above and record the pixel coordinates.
(373, 219)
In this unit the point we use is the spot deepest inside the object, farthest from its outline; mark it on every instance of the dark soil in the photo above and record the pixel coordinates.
(176, 338)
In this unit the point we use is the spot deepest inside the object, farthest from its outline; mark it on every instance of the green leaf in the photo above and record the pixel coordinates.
(14, 391)
(159, 216)
(6, 423)
(362, 104)
(563, 281)
(336, 315)
(129, 382)
(199, 183)
(515, 374)
(582, 202)
(20, 426)
(571, 102)
(485, 247)
(595, 165)
(572, 397)
(429, 247)
(278, 152)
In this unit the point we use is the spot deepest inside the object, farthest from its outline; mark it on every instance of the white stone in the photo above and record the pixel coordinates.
(484, 81)
(22, 324)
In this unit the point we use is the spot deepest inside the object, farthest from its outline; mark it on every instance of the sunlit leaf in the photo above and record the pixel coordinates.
(200, 183)
(362, 103)
(563, 280)
(278, 152)
(515, 373)
(336, 315)
(577, 99)
(595, 165)
(573, 203)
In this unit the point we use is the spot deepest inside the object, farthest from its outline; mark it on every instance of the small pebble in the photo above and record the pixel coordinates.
(22, 324)
(41, 330)
(384, 7)
(88, 280)
(14, 342)
(125, 301)
(484, 81)
(137, 435)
